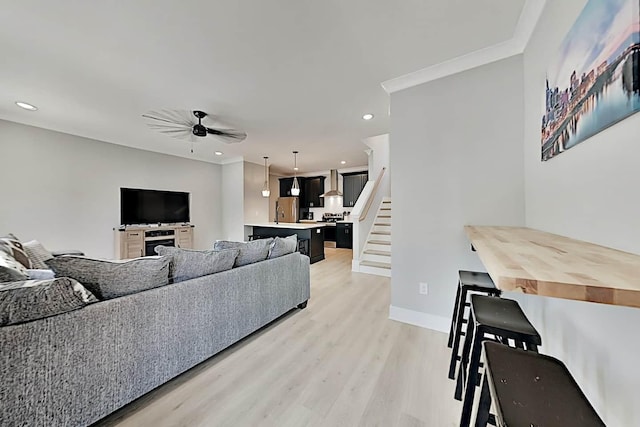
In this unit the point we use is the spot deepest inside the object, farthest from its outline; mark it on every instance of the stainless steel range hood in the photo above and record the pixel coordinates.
(334, 185)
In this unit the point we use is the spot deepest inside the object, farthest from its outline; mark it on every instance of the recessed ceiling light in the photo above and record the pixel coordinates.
(344, 162)
(26, 106)
(218, 153)
(368, 116)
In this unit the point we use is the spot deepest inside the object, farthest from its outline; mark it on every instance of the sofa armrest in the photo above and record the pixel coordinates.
(67, 252)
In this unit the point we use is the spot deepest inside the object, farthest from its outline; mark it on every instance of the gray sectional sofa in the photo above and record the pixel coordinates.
(75, 368)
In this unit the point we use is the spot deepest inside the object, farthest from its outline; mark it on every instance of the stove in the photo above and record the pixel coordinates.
(332, 217)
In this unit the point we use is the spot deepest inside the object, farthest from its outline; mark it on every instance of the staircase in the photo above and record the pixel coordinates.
(376, 257)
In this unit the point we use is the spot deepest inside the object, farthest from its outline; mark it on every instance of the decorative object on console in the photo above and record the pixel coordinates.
(295, 188)
(594, 81)
(265, 188)
(112, 279)
(187, 264)
(283, 246)
(36, 299)
(250, 252)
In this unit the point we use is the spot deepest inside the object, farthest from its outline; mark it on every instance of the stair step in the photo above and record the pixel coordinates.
(384, 233)
(385, 209)
(381, 224)
(376, 264)
(383, 216)
(386, 201)
(376, 252)
(379, 242)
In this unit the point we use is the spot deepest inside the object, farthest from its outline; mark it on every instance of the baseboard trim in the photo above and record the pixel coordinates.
(418, 318)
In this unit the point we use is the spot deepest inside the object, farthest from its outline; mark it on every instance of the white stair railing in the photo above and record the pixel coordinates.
(362, 221)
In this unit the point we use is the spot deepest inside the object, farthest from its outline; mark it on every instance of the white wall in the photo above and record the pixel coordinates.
(232, 201)
(378, 159)
(590, 193)
(65, 190)
(457, 158)
(256, 207)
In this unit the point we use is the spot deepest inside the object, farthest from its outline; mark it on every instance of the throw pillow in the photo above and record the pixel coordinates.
(11, 245)
(187, 264)
(283, 246)
(112, 279)
(250, 252)
(10, 269)
(37, 254)
(35, 299)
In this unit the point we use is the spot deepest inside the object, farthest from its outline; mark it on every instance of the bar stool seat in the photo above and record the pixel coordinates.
(468, 281)
(498, 315)
(530, 389)
(491, 319)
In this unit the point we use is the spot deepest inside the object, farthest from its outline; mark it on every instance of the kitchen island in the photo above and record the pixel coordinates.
(313, 233)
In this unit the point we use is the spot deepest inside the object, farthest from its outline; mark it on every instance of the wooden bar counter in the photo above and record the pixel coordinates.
(539, 263)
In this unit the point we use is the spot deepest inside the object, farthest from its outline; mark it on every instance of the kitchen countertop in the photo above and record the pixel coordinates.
(540, 263)
(290, 225)
(327, 224)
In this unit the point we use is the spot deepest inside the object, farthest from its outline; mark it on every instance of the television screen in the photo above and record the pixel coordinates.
(152, 206)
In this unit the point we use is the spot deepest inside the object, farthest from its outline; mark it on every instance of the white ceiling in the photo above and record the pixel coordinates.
(293, 74)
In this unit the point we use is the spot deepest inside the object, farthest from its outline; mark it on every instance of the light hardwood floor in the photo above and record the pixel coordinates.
(339, 362)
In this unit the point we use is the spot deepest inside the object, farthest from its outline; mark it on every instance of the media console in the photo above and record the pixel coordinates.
(140, 240)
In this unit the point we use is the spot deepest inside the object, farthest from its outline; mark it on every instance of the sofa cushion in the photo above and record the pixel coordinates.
(250, 252)
(38, 254)
(111, 279)
(283, 246)
(187, 263)
(35, 299)
(12, 246)
(10, 269)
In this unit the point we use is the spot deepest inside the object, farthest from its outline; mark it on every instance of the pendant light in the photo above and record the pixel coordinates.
(295, 188)
(265, 188)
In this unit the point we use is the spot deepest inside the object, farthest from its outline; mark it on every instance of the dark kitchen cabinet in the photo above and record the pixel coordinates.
(285, 188)
(312, 189)
(344, 235)
(330, 233)
(352, 185)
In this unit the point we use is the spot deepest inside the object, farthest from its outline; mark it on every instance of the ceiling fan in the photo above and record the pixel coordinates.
(184, 124)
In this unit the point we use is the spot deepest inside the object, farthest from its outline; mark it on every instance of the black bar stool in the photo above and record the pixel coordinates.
(468, 281)
(503, 320)
(530, 389)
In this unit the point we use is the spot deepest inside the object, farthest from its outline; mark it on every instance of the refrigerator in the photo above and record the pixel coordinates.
(288, 209)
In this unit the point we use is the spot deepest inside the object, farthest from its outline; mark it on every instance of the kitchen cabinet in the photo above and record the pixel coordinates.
(312, 189)
(344, 235)
(285, 188)
(352, 185)
(330, 233)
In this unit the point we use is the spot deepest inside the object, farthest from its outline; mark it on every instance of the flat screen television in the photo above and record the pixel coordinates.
(139, 206)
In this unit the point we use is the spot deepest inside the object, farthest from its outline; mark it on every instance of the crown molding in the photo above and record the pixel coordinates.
(529, 17)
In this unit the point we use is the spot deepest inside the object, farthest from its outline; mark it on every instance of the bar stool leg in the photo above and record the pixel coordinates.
(464, 359)
(484, 405)
(454, 316)
(472, 380)
(457, 332)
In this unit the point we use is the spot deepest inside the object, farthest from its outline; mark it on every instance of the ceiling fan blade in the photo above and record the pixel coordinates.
(171, 116)
(228, 134)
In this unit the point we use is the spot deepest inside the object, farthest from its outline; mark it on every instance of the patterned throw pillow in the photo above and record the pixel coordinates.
(10, 269)
(11, 245)
(35, 299)
(112, 279)
(283, 246)
(37, 254)
(187, 264)
(250, 252)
